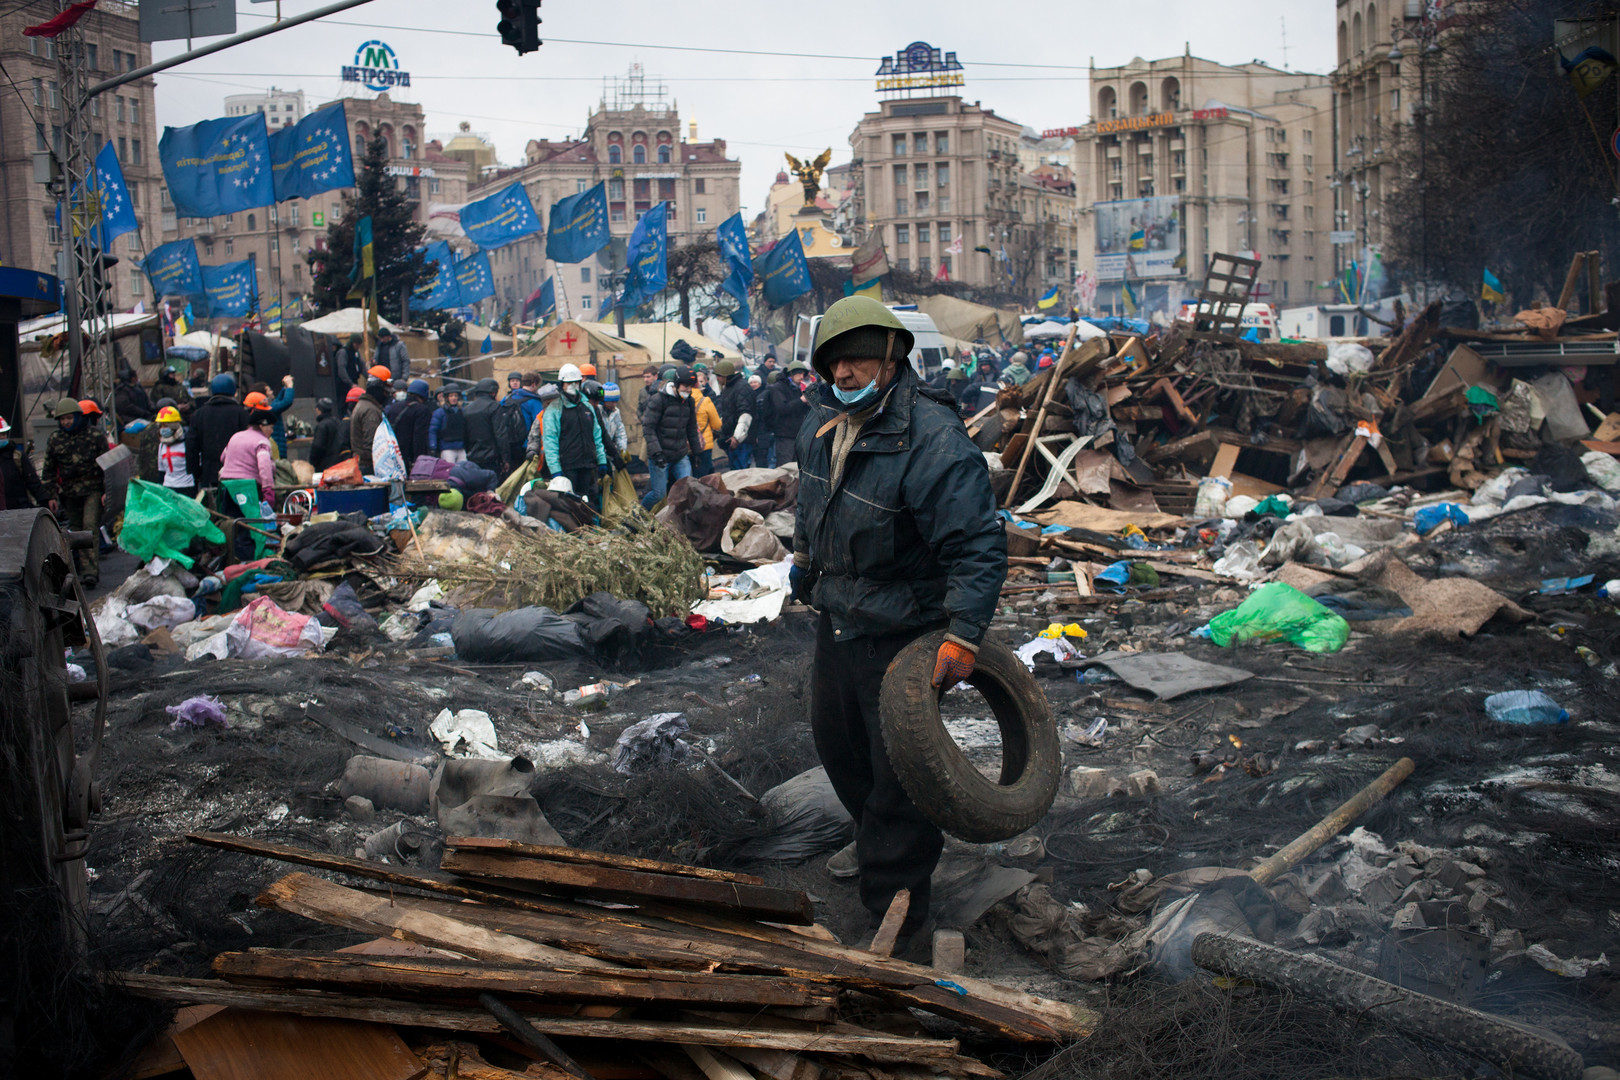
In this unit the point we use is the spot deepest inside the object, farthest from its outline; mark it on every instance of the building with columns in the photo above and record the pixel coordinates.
(636, 143)
(1184, 157)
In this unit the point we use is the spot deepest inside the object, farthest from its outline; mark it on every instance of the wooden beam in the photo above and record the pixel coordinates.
(1225, 461)
(497, 846)
(888, 931)
(1571, 280)
(412, 1014)
(460, 978)
(610, 883)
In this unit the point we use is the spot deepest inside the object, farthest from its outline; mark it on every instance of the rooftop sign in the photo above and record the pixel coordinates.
(919, 66)
(376, 67)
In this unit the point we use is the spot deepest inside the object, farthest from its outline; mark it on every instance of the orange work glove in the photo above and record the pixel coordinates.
(953, 664)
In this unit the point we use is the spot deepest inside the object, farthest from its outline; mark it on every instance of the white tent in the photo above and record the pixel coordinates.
(343, 321)
(204, 339)
(1051, 329)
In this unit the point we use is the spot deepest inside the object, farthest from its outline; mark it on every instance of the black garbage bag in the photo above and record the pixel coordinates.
(486, 636)
(609, 626)
(328, 541)
(1562, 467)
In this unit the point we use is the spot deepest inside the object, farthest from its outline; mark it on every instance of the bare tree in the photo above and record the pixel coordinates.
(1505, 167)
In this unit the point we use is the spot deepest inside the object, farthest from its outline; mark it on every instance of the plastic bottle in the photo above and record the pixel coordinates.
(1524, 707)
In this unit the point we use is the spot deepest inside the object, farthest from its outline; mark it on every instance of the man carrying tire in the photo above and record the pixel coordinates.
(897, 536)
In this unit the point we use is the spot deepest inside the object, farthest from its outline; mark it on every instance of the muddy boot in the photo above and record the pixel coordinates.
(843, 864)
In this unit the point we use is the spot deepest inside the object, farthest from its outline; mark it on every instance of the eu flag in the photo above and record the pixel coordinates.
(173, 269)
(232, 288)
(646, 269)
(218, 166)
(500, 219)
(473, 279)
(312, 155)
(579, 226)
(732, 236)
(441, 292)
(106, 212)
(785, 272)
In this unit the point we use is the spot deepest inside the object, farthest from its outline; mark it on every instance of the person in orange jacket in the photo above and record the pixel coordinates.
(708, 422)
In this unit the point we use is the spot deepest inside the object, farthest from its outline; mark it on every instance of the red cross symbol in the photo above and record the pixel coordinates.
(569, 339)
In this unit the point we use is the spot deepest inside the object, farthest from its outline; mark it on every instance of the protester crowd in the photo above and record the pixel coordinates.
(698, 413)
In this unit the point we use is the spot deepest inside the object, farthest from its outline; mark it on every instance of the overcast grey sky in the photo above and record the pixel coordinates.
(759, 101)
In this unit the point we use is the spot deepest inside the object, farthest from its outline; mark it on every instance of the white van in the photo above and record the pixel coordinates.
(928, 350)
(1261, 318)
(1327, 322)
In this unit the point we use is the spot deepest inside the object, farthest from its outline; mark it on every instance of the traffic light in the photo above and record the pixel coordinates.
(520, 24)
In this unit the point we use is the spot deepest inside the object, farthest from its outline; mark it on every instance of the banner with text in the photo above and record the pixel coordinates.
(578, 228)
(312, 155)
(500, 219)
(218, 166)
(1147, 232)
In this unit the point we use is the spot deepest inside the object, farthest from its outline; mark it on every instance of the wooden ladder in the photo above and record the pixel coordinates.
(1225, 294)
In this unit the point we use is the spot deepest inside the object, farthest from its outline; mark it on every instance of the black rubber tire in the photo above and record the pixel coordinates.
(938, 776)
(1508, 1044)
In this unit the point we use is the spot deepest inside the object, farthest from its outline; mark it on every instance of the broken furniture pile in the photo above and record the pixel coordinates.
(1136, 424)
(687, 971)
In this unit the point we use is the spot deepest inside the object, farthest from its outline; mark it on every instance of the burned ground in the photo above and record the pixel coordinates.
(1533, 806)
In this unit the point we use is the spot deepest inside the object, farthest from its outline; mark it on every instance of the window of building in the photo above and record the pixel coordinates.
(53, 98)
(1394, 101)
(616, 188)
(137, 281)
(923, 233)
(902, 234)
(134, 151)
(922, 202)
(298, 273)
(252, 222)
(899, 146)
(208, 248)
(134, 110)
(943, 204)
(615, 154)
(39, 91)
(942, 142)
(702, 217)
(663, 155)
(275, 216)
(923, 265)
(944, 232)
(580, 186)
(700, 186)
(230, 246)
(616, 212)
(129, 61)
(53, 232)
(900, 177)
(292, 215)
(903, 264)
(585, 274)
(666, 188)
(1309, 134)
(275, 245)
(921, 174)
(945, 264)
(585, 303)
(942, 174)
(919, 143)
(638, 154)
(230, 219)
(95, 107)
(123, 148)
(92, 54)
(901, 206)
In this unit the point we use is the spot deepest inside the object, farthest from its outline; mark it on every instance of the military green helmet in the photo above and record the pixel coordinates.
(65, 407)
(847, 319)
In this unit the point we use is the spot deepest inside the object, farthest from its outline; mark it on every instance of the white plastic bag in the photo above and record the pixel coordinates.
(757, 544)
(387, 462)
(1602, 469)
(165, 611)
(1213, 493)
(1343, 357)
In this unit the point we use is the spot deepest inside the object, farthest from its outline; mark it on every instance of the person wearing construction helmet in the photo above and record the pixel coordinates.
(571, 436)
(896, 536)
(367, 416)
(74, 481)
(613, 430)
(176, 455)
(19, 480)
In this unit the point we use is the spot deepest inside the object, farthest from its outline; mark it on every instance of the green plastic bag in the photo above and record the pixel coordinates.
(1278, 610)
(160, 524)
(1274, 506)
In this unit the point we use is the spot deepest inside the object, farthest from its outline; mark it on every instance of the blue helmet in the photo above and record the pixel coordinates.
(610, 391)
(419, 387)
(223, 383)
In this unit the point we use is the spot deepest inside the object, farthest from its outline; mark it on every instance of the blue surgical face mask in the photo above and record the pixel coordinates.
(5, 443)
(853, 398)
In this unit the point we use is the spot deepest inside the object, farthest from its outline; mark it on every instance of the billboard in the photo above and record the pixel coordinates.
(1145, 231)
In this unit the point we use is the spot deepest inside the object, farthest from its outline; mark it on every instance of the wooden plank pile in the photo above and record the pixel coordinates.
(567, 963)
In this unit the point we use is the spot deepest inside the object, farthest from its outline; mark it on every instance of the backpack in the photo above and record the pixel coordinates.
(511, 433)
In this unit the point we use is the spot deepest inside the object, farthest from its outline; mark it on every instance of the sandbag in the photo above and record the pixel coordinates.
(747, 538)
(483, 635)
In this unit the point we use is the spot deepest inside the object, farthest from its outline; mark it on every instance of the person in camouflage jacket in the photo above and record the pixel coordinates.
(74, 480)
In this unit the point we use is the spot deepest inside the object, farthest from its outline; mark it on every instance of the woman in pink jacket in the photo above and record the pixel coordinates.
(248, 456)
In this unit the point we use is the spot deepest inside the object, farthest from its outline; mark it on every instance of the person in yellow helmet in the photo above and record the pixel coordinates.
(175, 456)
